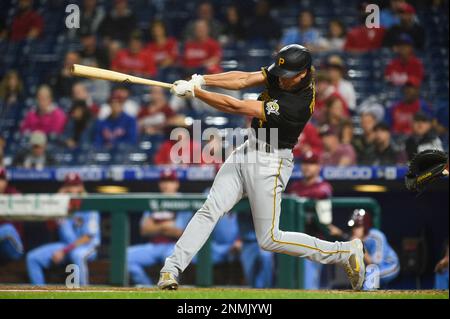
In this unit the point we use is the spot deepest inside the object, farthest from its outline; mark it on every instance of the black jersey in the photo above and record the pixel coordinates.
(287, 111)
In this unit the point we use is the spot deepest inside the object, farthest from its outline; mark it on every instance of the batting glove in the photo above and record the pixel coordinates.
(198, 80)
(182, 88)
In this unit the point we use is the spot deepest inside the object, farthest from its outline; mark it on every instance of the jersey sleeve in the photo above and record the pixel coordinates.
(375, 246)
(92, 224)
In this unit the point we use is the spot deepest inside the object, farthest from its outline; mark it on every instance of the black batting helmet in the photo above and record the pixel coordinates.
(290, 61)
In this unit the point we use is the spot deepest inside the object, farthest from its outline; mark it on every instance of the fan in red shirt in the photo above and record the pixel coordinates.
(202, 52)
(135, 59)
(361, 39)
(163, 48)
(26, 23)
(308, 141)
(153, 117)
(325, 91)
(406, 65)
(402, 114)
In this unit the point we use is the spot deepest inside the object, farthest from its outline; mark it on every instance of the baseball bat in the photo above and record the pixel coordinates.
(102, 74)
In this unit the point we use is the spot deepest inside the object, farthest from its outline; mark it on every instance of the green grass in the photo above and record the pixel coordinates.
(21, 292)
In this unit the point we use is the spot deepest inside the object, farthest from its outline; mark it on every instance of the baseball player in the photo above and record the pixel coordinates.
(378, 250)
(318, 223)
(11, 247)
(279, 116)
(165, 227)
(79, 239)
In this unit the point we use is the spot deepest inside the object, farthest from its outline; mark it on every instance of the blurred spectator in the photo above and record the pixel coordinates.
(361, 39)
(79, 125)
(408, 25)
(118, 24)
(325, 91)
(318, 222)
(153, 118)
(91, 17)
(162, 228)
(91, 53)
(46, 116)
(179, 151)
(373, 104)
(264, 28)
(335, 153)
(385, 152)
(80, 93)
(11, 89)
(121, 93)
(135, 59)
(364, 143)
(441, 271)
(389, 15)
(27, 23)
(202, 53)
(308, 141)
(335, 38)
(401, 114)
(334, 115)
(163, 47)
(234, 28)
(79, 238)
(336, 70)
(205, 11)
(423, 137)
(346, 135)
(11, 98)
(11, 247)
(63, 81)
(305, 33)
(117, 128)
(36, 155)
(406, 65)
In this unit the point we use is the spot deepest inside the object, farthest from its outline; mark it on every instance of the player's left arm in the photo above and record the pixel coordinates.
(228, 104)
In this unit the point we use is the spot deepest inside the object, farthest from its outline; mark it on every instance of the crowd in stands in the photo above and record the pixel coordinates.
(71, 114)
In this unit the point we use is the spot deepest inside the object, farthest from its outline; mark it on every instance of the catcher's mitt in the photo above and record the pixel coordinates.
(424, 168)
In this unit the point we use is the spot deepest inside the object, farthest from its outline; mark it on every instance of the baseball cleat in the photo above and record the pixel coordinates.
(355, 268)
(167, 281)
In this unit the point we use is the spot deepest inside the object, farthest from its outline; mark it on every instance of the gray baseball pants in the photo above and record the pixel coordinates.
(263, 180)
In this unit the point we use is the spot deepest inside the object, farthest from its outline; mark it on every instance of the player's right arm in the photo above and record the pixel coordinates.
(235, 80)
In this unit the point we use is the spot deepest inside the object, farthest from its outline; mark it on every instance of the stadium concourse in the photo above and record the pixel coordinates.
(381, 96)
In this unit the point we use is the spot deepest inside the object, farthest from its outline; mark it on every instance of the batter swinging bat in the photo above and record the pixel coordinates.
(102, 74)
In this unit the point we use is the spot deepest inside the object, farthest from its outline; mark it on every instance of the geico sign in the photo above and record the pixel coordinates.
(352, 173)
